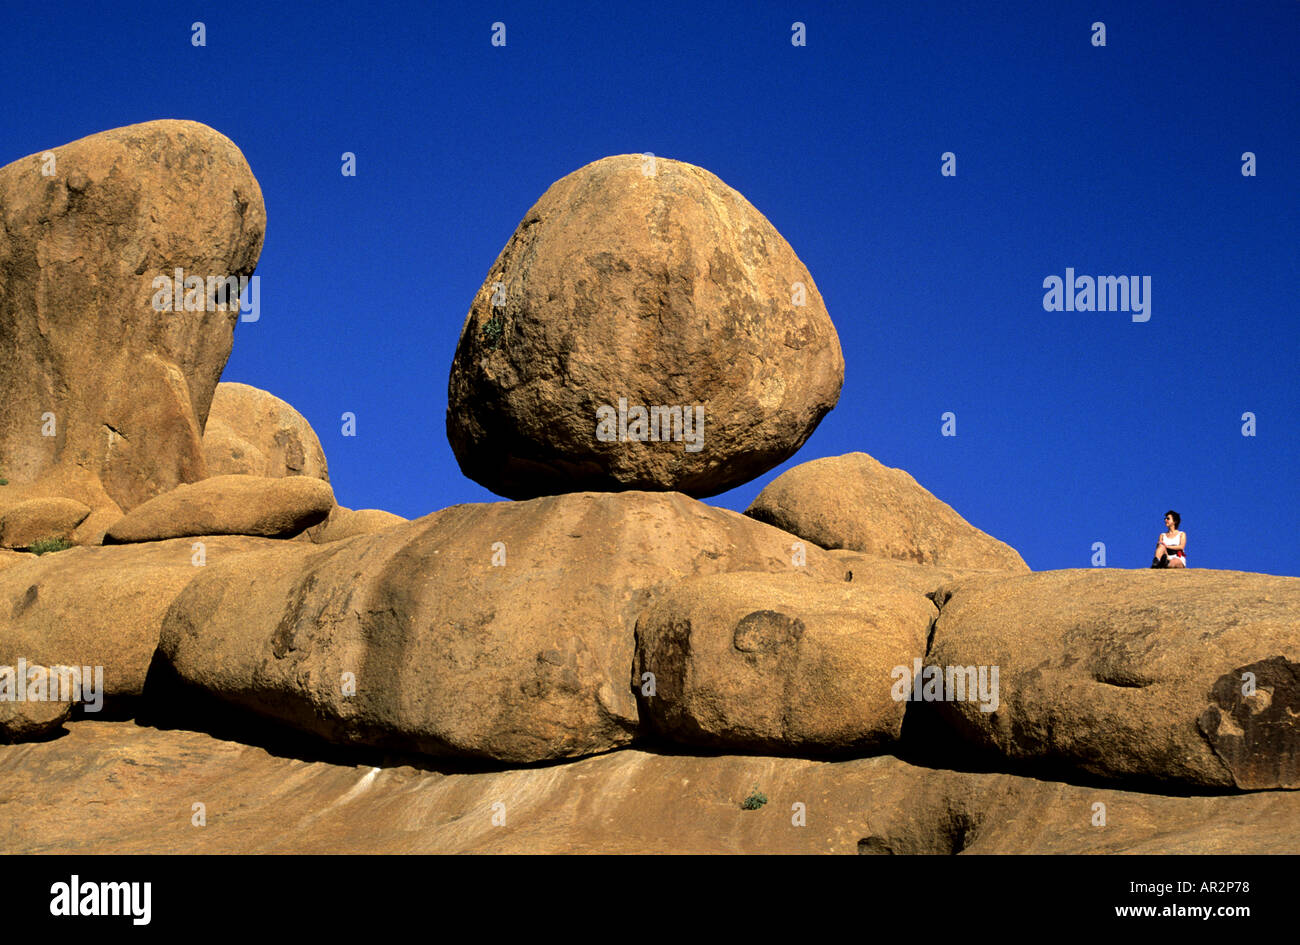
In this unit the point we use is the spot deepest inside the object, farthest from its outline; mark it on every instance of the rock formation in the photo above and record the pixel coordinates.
(341, 679)
(856, 503)
(501, 631)
(141, 781)
(1191, 678)
(253, 433)
(26, 720)
(228, 505)
(25, 523)
(347, 523)
(100, 379)
(102, 606)
(635, 284)
(779, 663)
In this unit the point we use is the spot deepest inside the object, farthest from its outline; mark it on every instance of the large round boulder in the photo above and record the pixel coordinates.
(644, 328)
(253, 433)
(100, 371)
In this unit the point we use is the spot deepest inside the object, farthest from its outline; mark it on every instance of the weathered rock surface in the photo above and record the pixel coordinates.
(662, 290)
(118, 787)
(501, 630)
(923, 578)
(228, 505)
(76, 484)
(347, 523)
(22, 721)
(10, 558)
(778, 662)
(93, 527)
(856, 503)
(253, 433)
(1140, 675)
(26, 523)
(100, 606)
(93, 376)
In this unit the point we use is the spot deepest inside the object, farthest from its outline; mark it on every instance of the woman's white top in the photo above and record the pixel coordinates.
(1171, 541)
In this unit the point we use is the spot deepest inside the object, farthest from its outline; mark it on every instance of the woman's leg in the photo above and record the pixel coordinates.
(1176, 562)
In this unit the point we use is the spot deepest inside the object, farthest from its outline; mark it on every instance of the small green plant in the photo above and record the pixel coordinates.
(3, 480)
(755, 800)
(493, 328)
(46, 545)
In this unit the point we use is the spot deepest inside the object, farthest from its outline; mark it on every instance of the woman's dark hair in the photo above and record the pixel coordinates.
(1177, 519)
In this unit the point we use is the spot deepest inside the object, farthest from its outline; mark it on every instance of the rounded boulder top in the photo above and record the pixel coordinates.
(100, 323)
(645, 327)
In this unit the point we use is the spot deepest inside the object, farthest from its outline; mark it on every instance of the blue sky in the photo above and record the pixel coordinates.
(1072, 427)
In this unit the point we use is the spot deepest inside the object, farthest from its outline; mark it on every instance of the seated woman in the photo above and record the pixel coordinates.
(1170, 550)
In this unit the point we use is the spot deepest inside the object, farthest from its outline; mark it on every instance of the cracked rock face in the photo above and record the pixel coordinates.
(1253, 723)
(1183, 677)
(105, 387)
(659, 286)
